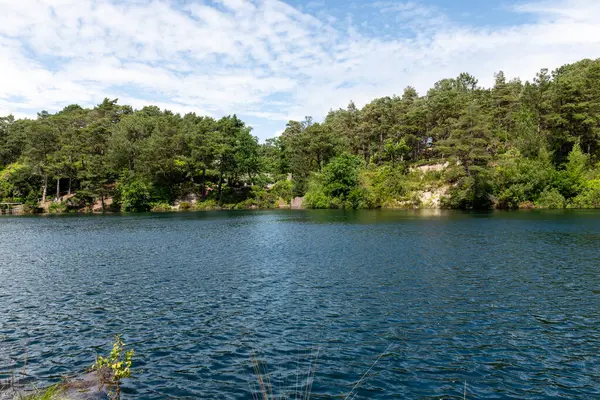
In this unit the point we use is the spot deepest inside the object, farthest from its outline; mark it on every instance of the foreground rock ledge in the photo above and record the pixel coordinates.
(93, 385)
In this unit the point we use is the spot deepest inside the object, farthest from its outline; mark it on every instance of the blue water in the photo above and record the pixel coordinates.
(507, 302)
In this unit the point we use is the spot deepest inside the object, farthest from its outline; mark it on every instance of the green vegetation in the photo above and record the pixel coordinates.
(515, 145)
(118, 362)
(52, 393)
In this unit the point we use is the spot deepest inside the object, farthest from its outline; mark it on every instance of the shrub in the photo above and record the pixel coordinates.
(550, 198)
(134, 195)
(160, 207)
(589, 197)
(341, 175)
(119, 362)
(207, 205)
(360, 198)
(57, 208)
(315, 196)
(185, 206)
(284, 190)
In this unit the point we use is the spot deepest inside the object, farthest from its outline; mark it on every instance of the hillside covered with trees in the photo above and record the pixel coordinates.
(515, 145)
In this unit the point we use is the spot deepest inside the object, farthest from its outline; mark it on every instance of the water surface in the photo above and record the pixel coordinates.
(507, 302)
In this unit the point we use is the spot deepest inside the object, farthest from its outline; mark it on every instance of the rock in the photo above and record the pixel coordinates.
(431, 167)
(93, 385)
(297, 203)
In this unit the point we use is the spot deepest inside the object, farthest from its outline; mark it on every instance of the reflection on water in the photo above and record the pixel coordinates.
(507, 302)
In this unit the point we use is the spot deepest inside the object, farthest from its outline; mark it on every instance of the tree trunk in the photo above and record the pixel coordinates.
(57, 189)
(102, 201)
(45, 188)
(69, 192)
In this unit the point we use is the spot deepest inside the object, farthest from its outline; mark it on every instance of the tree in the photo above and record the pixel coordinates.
(42, 141)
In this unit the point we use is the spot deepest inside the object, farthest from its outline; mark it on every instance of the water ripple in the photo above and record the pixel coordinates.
(506, 302)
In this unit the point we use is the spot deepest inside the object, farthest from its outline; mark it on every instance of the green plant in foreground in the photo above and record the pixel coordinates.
(119, 362)
(50, 393)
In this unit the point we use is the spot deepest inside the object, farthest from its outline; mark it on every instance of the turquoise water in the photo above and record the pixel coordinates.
(507, 302)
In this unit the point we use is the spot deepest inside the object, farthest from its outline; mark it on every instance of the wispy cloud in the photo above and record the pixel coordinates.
(263, 59)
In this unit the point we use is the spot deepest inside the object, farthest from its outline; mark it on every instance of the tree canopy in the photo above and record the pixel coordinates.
(535, 142)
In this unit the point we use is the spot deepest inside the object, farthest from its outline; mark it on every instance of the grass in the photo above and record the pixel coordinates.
(265, 391)
(265, 387)
(50, 393)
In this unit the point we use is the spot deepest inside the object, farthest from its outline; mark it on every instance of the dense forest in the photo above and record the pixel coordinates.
(515, 145)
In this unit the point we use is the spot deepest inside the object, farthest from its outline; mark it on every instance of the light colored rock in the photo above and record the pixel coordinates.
(433, 198)
(297, 203)
(431, 168)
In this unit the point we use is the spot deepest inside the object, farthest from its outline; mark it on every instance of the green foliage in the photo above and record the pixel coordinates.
(315, 196)
(134, 195)
(505, 145)
(118, 362)
(550, 198)
(283, 189)
(471, 192)
(52, 393)
(160, 207)
(338, 185)
(341, 176)
(571, 180)
(207, 205)
(185, 206)
(57, 208)
(518, 179)
(589, 197)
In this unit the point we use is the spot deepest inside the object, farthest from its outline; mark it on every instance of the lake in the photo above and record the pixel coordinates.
(506, 302)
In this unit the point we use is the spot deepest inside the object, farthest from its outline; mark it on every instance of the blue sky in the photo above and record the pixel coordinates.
(270, 61)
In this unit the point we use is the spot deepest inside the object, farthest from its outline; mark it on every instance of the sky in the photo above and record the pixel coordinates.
(271, 61)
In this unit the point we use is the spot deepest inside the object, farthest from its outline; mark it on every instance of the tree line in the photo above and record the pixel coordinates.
(516, 144)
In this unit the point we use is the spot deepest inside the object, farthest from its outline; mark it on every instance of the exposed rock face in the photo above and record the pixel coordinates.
(297, 203)
(431, 167)
(433, 198)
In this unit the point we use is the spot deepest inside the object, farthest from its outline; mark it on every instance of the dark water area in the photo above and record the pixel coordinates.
(507, 302)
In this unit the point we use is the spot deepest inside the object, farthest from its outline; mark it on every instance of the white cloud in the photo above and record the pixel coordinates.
(262, 59)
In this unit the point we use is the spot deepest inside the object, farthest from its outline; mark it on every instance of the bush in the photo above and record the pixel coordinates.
(134, 196)
(589, 196)
(518, 180)
(471, 192)
(185, 206)
(207, 205)
(284, 190)
(341, 175)
(57, 208)
(315, 196)
(360, 198)
(550, 198)
(160, 207)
